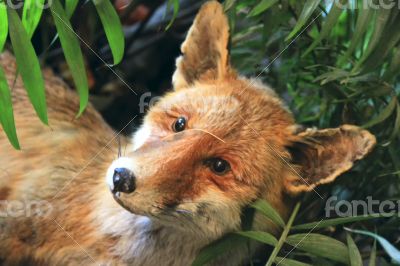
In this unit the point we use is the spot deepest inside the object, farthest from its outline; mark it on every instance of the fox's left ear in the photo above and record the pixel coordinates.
(204, 52)
(320, 156)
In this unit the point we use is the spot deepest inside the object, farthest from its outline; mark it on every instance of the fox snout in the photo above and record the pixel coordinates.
(124, 180)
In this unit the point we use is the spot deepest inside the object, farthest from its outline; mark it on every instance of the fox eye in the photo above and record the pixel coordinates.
(179, 124)
(218, 166)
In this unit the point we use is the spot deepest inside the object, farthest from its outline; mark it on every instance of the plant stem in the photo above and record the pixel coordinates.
(282, 239)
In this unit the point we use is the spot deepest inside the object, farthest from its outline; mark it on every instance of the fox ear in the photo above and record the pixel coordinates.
(204, 52)
(320, 156)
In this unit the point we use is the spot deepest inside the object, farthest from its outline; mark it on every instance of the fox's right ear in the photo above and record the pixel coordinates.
(322, 155)
(204, 52)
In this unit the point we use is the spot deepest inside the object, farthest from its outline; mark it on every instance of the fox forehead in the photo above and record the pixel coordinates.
(224, 105)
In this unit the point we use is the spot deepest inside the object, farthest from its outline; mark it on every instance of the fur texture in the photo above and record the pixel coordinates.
(179, 204)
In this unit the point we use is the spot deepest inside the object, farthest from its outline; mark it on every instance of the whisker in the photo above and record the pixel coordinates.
(198, 129)
(126, 145)
(207, 132)
(119, 146)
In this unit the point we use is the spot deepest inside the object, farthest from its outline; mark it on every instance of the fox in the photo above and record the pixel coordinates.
(211, 146)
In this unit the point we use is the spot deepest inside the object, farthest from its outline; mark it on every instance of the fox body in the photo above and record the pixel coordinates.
(206, 150)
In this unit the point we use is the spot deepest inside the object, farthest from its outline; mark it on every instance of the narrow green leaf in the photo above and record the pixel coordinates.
(283, 236)
(372, 257)
(28, 65)
(382, 17)
(389, 39)
(306, 13)
(393, 252)
(6, 111)
(338, 221)
(336, 74)
(382, 116)
(228, 4)
(288, 262)
(70, 6)
(261, 7)
(354, 253)
(72, 52)
(330, 22)
(320, 245)
(396, 128)
(394, 68)
(217, 248)
(113, 28)
(31, 14)
(175, 4)
(260, 236)
(3, 25)
(267, 210)
(364, 18)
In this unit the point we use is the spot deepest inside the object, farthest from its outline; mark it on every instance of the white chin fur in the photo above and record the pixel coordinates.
(123, 162)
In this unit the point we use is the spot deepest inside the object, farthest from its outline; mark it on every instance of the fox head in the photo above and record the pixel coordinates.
(219, 141)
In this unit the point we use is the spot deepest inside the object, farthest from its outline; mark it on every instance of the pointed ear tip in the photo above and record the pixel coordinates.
(368, 139)
(211, 5)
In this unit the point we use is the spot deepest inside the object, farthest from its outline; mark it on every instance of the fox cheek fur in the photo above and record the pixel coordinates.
(179, 186)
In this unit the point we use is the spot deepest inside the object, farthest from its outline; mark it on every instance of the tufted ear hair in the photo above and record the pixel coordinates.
(320, 156)
(204, 52)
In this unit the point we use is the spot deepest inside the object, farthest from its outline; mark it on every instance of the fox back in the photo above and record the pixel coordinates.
(214, 144)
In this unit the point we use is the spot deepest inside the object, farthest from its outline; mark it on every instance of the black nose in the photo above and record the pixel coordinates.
(124, 180)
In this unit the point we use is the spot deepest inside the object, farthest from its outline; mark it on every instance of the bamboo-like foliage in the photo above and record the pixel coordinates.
(20, 30)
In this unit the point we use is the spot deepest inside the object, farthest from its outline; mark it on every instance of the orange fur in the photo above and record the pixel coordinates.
(231, 117)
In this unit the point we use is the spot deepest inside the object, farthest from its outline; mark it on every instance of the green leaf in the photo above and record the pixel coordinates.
(307, 11)
(288, 262)
(261, 7)
(28, 65)
(228, 4)
(382, 116)
(320, 245)
(175, 4)
(364, 17)
(72, 52)
(338, 221)
(283, 236)
(381, 20)
(336, 74)
(217, 248)
(396, 128)
(394, 67)
(389, 39)
(6, 111)
(31, 15)
(393, 252)
(3, 25)
(354, 253)
(330, 22)
(113, 28)
(372, 257)
(260, 236)
(267, 210)
(70, 6)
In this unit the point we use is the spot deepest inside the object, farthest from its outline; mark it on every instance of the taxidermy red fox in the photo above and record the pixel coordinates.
(217, 142)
